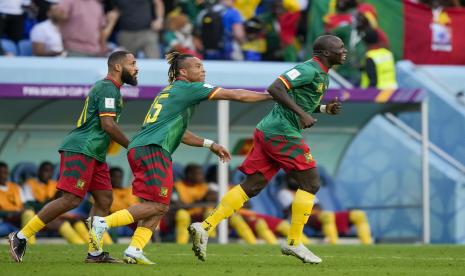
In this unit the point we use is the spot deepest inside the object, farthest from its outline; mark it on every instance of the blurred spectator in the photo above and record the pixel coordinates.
(122, 196)
(178, 35)
(379, 68)
(38, 191)
(247, 8)
(255, 46)
(266, 227)
(329, 222)
(46, 37)
(42, 7)
(11, 203)
(192, 197)
(12, 20)
(366, 20)
(140, 22)
(222, 31)
(272, 30)
(84, 26)
(10, 193)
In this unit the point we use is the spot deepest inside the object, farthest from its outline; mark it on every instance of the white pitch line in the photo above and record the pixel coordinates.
(341, 257)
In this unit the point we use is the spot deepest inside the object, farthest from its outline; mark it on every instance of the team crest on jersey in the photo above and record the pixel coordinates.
(80, 184)
(163, 191)
(308, 157)
(320, 88)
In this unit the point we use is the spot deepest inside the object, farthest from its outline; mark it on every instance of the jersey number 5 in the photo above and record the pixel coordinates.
(155, 109)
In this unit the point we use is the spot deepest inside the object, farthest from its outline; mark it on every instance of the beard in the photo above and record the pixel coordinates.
(126, 77)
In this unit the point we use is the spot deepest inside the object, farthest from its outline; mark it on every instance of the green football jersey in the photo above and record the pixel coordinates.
(171, 111)
(88, 137)
(306, 83)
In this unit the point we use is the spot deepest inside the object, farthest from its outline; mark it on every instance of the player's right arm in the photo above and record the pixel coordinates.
(278, 91)
(112, 129)
(240, 95)
(107, 105)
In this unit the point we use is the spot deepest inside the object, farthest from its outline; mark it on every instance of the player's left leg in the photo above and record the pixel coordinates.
(101, 190)
(301, 209)
(134, 254)
(101, 207)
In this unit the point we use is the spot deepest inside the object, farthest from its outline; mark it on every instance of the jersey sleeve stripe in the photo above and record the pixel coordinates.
(112, 114)
(213, 92)
(286, 82)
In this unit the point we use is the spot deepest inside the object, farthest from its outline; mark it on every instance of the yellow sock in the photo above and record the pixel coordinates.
(360, 220)
(328, 225)
(141, 237)
(32, 227)
(67, 232)
(264, 232)
(284, 227)
(183, 219)
(26, 216)
(230, 203)
(119, 218)
(242, 228)
(212, 232)
(301, 209)
(81, 229)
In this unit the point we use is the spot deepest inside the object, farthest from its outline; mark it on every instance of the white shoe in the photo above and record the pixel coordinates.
(97, 229)
(199, 240)
(301, 252)
(136, 256)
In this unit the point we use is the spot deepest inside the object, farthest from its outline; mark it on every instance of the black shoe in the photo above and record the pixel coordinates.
(17, 247)
(104, 257)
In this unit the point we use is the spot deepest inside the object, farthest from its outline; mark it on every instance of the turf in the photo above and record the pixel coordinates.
(239, 259)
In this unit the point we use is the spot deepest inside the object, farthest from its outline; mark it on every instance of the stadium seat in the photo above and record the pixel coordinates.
(25, 48)
(23, 171)
(9, 46)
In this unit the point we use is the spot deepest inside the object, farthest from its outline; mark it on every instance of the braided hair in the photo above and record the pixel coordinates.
(175, 60)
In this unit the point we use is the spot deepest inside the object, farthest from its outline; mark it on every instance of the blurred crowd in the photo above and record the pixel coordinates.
(251, 30)
(28, 188)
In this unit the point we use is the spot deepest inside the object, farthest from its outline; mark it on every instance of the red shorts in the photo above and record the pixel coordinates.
(273, 152)
(153, 173)
(80, 173)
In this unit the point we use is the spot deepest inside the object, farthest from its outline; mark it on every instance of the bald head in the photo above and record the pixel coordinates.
(325, 43)
(329, 49)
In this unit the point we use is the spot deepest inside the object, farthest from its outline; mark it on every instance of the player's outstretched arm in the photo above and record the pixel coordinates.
(111, 128)
(193, 140)
(279, 93)
(334, 107)
(241, 95)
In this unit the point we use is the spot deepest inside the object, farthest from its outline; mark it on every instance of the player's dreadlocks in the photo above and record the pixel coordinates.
(175, 60)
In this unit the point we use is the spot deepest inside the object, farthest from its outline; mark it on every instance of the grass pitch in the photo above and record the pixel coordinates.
(239, 259)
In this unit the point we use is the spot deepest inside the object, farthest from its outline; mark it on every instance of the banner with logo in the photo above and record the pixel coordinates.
(434, 36)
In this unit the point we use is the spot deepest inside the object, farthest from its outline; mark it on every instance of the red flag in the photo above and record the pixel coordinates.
(434, 36)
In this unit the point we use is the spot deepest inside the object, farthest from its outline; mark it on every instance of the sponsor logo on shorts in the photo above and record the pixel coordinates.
(80, 184)
(308, 157)
(163, 191)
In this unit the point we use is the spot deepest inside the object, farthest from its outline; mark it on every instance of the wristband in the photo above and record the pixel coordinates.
(323, 108)
(207, 143)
